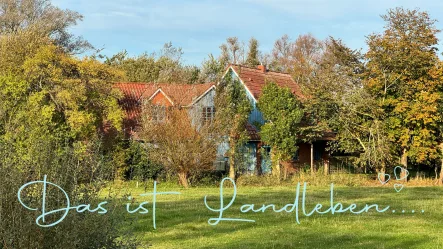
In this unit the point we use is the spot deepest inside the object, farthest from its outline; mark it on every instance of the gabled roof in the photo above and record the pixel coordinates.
(132, 94)
(179, 94)
(255, 79)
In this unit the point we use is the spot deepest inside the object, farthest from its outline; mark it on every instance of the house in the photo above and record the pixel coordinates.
(253, 80)
(198, 99)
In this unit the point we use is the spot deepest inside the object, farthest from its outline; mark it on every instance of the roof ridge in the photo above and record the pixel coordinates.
(254, 68)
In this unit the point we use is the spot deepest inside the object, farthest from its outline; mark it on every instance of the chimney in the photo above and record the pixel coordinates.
(262, 68)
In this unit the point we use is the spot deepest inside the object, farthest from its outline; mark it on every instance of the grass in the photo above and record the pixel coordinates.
(182, 221)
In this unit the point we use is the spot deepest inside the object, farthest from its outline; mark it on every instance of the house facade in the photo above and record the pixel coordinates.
(199, 100)
(253, 80)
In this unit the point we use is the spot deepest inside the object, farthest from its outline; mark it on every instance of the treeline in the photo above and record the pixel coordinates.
(59, 115)
(55, 110)
(383, 104)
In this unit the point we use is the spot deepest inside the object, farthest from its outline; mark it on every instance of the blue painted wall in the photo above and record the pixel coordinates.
(255, 116)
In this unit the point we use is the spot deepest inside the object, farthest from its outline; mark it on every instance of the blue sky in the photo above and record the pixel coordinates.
(199, 27)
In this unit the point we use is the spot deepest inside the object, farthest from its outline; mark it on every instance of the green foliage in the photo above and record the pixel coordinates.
(253, 53)
(81, 176)
(283, 113)
(399, 64)
(233, 106)
(55, 114)
(167, 67)
(45, 19)
(233, 109)
(138, 163)
(212, 69)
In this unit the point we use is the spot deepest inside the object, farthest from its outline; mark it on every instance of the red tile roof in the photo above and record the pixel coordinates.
(256, 78)
(132, 94)
(135, 93)
(181, 94)
(253, 133)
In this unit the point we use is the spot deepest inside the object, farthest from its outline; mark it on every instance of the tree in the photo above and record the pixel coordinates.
(164, 67)
(281, 55)
(55, 111)
(252, 59)
(232, 52)
(49, 94)
(306, 53)
(398, 75)
(44, 18)
(233, 109)
(182, 147)
(336, 73)
(212, 70)
(299, 57)
(283, 113)
(437, 75)
(361, 130)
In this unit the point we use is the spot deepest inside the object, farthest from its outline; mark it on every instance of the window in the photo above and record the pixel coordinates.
(158, 113)
(208, 114)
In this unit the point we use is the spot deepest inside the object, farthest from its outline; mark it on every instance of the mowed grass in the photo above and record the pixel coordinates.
(182, 220)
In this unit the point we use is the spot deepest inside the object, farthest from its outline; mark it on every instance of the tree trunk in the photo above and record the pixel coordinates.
(276, 170)
(183, 178)
(232, 148)
(440, 179)
(312, 158)
(404, 163)
(286, 165)
(381, 174)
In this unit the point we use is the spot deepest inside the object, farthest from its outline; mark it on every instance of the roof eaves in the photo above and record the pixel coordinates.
(201, 96)
(246, 87)
(164, 94)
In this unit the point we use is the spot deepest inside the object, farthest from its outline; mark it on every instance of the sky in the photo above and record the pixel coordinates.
(200, 27)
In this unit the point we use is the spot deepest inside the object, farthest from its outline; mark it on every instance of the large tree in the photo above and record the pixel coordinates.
(283, 113)
(398, 75)
(54, 111)
(45, 19)
(233, 109)
(179, 141)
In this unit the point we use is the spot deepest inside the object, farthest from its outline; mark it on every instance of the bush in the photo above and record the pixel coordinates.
(138, 164)
(80, 175)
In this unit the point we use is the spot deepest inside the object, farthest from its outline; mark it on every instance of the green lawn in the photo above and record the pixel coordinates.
(182, 221)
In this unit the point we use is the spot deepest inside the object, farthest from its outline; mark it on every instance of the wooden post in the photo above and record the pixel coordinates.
(258, 158)
(312, 158)
(326, 166)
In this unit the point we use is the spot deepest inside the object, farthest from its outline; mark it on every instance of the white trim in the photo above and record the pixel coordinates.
(164, 94)
(226, 71)
(201, 96)
(246, 87)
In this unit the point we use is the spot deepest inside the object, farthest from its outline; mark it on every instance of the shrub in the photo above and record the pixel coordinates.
(81, 176)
